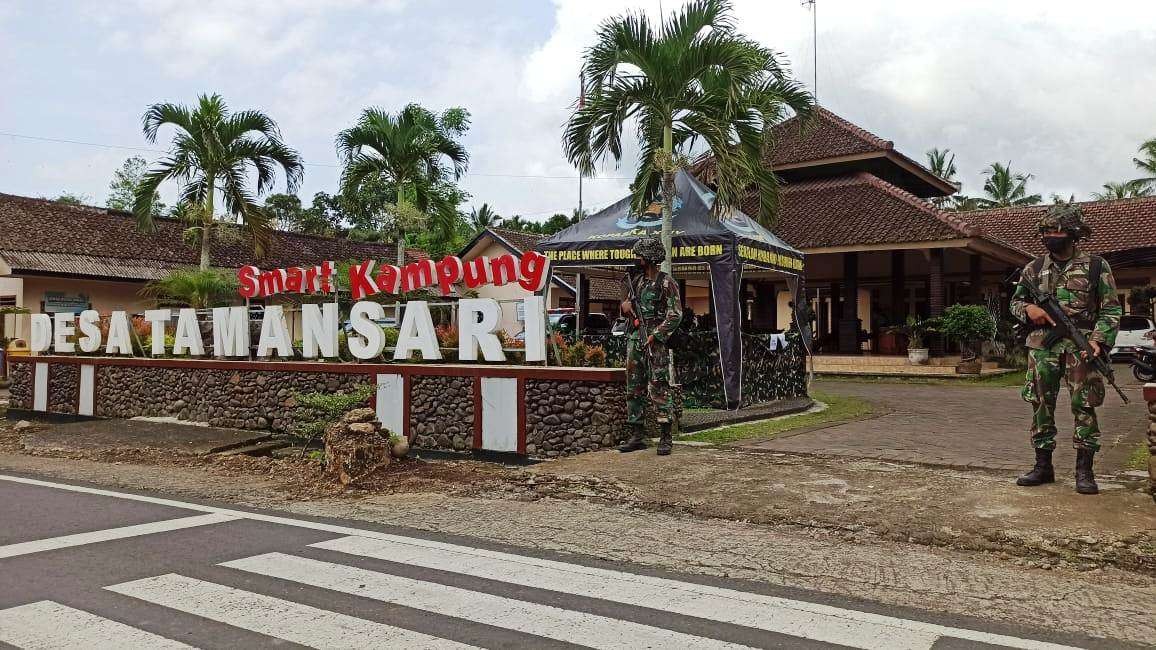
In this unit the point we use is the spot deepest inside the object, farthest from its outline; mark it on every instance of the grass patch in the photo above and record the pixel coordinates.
(1138, 459)
(840, 408)
(1010, 379)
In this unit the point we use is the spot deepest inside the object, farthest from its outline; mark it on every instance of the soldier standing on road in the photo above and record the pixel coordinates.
(1086, 290)
(656, 317)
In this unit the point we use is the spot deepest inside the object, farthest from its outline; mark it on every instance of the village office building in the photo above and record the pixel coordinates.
(63, 258)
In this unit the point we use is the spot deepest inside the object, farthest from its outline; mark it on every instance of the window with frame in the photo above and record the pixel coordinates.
(7, 301)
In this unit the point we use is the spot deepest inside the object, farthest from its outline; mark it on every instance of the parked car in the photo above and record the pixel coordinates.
(384, 323)
(564, 321)
(1133, 330)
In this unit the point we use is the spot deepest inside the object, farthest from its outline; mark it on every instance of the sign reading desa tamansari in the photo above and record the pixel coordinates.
(477, 317)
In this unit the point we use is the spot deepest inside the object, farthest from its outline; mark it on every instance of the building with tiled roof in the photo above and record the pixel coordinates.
(603, 293)
(55, 256)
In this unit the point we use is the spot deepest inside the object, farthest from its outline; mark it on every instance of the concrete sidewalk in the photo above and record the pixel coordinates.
(960, 426)
(110, 435)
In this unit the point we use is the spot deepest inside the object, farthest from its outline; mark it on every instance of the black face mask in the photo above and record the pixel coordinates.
(1057, 245)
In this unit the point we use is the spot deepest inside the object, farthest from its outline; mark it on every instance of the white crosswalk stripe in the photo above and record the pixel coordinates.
(283, 619)
(543, 620)
(797, 618)
(50, 625)
(109, 534)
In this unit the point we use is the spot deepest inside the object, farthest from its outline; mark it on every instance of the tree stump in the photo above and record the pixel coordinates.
(356, 446)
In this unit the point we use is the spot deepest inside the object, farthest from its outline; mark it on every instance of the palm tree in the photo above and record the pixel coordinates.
(484, 217)
(941, 162)
(213, 152)
(1126, 190)
(691, 78)
(961, 203)
(1148, 163)
(196, 288)
(410, 151)
(1005, 188)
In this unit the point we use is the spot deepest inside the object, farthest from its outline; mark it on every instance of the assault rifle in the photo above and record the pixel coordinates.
(639, 321)
(1064, 328)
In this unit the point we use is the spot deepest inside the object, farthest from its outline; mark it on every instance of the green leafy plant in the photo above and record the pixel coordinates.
(916, 330)
(319, 410)
(196, 288)
(967, 325)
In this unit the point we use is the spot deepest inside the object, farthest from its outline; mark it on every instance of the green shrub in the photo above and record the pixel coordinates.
(318, 410)
(968, 325)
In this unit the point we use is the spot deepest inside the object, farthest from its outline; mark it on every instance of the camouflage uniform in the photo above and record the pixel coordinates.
(648, 367)
(1069, 282)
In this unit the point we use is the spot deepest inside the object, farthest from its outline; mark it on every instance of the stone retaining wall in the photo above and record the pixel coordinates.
(20, 393)
(565, 417)
(544, 412)
(441, 414)
(238, 399)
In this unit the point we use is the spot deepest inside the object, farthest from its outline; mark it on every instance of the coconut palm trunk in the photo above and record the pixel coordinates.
(207, 227)
(667, 195)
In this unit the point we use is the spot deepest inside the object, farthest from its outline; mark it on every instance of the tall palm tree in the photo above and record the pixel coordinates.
(1126, 190)
(961, 203)
(941, 162)
(1005, 188)
(413, 150)
(484, 217)
(213, 153)
(690, 78)
(1147, 164)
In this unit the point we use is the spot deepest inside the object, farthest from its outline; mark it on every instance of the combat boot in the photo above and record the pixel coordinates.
(636, 442)
(1042, 473)
(1085, 478)
(664, 440)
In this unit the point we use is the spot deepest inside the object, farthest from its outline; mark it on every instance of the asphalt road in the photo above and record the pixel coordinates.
(83, 567)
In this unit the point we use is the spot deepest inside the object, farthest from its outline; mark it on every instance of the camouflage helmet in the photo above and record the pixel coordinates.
(1066, 217)
(649, 249)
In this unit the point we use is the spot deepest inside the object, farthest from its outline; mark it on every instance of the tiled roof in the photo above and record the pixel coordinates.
(87, 240)
(523, 241)
(1117, 225)
(860, 209)
(827, 136)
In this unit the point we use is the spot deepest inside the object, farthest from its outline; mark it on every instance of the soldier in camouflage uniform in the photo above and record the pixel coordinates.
(1094, 307)
(659, 313)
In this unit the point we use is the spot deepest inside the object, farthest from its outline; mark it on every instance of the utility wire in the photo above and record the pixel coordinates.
(38, 138)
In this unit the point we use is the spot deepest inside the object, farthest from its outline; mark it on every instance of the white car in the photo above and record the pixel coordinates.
(1132, 335)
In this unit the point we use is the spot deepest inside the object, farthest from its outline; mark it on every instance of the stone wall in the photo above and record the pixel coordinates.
(63, 388)
(1150, 397)
(240, 399)
(441, 412)
(20, 393)
(569, 417)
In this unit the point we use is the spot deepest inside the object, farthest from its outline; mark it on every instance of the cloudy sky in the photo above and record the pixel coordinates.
(1065, 90)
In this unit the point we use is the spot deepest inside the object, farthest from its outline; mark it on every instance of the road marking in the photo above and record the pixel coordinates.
(47, 624)
(768, 613)
(275, 617)
(589, 630)
(96, 536)
(466, 551)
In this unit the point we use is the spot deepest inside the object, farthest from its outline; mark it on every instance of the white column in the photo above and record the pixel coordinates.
(87, 390)
(390, 403)
(499, 414)
(40, 388)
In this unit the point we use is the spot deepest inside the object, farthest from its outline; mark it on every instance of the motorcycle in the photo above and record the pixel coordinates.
(1144, 364)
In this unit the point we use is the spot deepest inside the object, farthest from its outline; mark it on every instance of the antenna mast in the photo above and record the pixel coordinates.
(814, 45)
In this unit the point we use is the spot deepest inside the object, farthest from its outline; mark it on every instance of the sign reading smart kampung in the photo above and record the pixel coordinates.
(477, 325)
(368, 278)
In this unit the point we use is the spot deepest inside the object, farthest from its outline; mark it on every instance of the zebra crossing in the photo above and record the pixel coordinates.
(370, 589)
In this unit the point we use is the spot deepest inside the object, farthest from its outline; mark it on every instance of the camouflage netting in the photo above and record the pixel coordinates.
(356, 446)
(768, 375)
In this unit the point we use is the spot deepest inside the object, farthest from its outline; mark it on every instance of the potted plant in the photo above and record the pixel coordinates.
(970, 326)
(916, 330)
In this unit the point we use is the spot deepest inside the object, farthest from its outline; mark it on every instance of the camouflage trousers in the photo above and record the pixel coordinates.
(1045, 370)
(647, 374)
